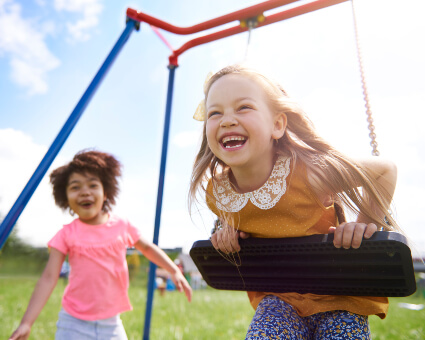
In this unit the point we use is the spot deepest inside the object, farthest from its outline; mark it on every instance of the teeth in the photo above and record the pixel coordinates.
(225, 141)
(228, 139)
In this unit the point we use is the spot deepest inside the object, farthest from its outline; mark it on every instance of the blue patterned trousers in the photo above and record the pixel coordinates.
(276, 319)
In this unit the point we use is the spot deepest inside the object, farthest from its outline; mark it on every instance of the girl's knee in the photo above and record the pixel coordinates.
(342, 325)
(275, 319)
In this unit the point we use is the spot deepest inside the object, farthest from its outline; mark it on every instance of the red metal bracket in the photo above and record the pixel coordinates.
(241, 16)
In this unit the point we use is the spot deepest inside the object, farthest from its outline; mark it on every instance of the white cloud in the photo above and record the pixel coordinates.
(23, 43)
(19, 157)
(23, 39)
(187, 138)
(177, 229)
(17, 151)
(27, 75)
(90, 10)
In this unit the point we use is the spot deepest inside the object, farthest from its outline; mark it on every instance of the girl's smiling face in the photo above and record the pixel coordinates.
(240, 125)
(86, 197)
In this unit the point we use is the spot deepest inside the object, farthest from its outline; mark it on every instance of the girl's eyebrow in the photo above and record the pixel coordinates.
(243, 98)
(89, 180)
(74, 181)
(235, 101)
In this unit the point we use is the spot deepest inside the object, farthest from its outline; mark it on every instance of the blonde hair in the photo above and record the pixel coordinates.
(343, 177)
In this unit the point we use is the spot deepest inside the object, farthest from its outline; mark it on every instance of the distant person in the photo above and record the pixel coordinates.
(179, 264)
(95, 243)
(270, 175)
(161, 285)
(161, 280)
(65, 269)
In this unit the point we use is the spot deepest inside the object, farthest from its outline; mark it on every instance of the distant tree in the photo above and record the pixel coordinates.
(133, 262)
(14, 244)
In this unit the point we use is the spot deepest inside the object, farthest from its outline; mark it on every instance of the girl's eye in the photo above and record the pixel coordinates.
(213, 113)
(73, 188)
(245, 107)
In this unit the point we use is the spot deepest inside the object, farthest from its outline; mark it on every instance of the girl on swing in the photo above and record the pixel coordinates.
(265, 172)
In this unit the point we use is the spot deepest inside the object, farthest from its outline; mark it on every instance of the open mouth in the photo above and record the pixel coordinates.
(86, 204)
(233, 142)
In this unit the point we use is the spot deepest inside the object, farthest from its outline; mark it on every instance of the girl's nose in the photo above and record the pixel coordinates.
(84, 190)
(228, 120)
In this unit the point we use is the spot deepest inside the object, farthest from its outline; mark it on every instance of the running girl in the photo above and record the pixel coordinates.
(96, 243)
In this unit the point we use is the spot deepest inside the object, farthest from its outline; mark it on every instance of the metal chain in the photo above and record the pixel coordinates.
(371, 127)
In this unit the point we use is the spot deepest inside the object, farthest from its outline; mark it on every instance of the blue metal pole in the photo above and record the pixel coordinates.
(152, 266)
(16, 210)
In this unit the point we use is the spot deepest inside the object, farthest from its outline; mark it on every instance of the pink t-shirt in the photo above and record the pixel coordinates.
(98, 281)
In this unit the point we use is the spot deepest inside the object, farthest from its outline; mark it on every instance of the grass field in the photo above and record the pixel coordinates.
(211, 315)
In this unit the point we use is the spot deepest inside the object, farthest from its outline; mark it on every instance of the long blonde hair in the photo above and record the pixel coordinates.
(301, 141)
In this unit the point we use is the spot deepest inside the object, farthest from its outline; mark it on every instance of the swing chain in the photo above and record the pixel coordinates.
(251, 23)
(250, 27)
(371, 127)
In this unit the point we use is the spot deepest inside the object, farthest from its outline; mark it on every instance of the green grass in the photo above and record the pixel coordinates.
(211, 315)
(400, 323)
(14, 297)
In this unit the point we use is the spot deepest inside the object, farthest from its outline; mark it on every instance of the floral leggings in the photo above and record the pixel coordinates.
(275, 319)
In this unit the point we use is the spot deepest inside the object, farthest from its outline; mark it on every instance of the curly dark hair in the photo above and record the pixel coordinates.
(101, 164)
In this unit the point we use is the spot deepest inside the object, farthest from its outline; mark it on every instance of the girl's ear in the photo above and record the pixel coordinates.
(279, 127)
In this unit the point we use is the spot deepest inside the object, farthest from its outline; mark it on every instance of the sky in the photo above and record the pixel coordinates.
(51, 50)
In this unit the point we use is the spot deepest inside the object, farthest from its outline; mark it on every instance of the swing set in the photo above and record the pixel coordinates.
(383, 264)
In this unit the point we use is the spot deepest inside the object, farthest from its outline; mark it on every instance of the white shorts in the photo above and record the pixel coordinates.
(70, 328)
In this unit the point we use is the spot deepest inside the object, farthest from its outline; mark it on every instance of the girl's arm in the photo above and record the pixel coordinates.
(41, 294)
(385, 174)
(351, 234)
(156, 255)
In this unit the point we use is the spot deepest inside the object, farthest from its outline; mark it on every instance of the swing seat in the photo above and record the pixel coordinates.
(382, 266)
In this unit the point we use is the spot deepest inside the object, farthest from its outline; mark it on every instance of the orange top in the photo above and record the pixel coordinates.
(286, 206)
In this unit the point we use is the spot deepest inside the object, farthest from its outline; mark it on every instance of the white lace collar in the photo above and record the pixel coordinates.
(264, 198)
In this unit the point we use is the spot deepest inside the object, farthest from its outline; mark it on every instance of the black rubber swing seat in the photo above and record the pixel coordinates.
(382, 266)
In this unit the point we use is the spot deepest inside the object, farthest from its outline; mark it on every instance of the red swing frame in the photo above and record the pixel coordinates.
(242, 15)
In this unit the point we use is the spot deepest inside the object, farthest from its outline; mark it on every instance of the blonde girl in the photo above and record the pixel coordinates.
(96, 243)
(265, 172)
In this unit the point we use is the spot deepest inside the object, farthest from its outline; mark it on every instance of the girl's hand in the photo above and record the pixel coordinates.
(351, 234)
(181, 284)
(156, 255)
(21, 333)
(227, 239)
